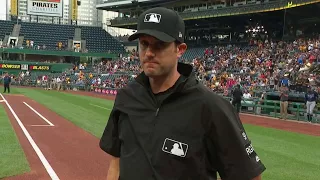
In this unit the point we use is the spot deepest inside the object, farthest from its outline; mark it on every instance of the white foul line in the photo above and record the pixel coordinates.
(42, 125)
(1, 100)
(44, 161)
(288, 120)
(100, 107)
(45, 119)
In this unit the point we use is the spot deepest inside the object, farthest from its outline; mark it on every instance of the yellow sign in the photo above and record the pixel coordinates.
(74, 10)
(14, 7)
(45, 68)
(10, 66)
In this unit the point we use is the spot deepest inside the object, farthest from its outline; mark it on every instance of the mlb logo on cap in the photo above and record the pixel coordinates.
(152, 17)
(162, 23)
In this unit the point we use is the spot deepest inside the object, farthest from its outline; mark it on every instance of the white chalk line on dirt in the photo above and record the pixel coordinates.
(41, 125)
(288, 120)
(100, 107)
(40, 115)
(1, 100)
(42, 158)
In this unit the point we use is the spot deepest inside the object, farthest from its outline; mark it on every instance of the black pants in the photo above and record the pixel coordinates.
(6, 87)
(237, 105)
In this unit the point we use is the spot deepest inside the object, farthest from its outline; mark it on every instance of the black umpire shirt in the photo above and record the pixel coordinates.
(237, 95)
(187, 133)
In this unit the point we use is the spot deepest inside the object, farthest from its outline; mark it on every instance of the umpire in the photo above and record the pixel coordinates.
(237, 95)
(6, 83)
(166, 125)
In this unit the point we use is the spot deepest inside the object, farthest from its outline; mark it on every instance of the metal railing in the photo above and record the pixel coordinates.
(271, 108)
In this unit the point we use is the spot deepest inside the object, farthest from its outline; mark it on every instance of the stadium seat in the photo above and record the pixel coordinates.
(6, 28)
(99, 40)
(193, 53)
(46, 34)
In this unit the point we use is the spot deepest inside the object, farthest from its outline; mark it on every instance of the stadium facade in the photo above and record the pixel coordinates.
(225, 21)
(86, 14)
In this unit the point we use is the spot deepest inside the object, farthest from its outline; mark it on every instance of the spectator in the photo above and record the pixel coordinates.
(284, 97)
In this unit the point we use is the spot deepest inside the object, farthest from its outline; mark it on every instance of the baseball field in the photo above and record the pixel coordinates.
(55, 135)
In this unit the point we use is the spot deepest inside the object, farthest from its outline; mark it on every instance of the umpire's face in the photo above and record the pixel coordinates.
(157, 58)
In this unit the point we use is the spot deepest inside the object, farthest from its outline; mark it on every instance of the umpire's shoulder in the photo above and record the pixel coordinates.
(216, 103)
(119, 99)
(124, 94)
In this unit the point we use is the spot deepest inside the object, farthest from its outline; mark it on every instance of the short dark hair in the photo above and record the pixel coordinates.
(177, 43)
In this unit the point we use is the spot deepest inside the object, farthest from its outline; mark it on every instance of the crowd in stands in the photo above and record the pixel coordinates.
(264, 65)
(125, 64)
(260, 65)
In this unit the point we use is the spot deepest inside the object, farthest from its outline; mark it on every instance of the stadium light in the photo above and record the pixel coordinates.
(257, 29)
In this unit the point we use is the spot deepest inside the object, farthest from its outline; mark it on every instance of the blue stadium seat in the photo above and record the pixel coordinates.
(6, 28)
(192, 53)
(46, 34)
(99, 40)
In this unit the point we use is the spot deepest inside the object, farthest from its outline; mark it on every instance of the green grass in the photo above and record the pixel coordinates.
(83, 111)
(12, 158)
(287, 155)
(13, 90)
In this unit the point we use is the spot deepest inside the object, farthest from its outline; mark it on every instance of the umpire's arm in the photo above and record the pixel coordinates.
(230, 150)
(110, 143)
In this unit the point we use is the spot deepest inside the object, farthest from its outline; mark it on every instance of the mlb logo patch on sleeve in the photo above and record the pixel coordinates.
(175, 147)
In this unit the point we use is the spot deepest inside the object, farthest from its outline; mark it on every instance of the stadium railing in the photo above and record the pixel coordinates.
(271, 108)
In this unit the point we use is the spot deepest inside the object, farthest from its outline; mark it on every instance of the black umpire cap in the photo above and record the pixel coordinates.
(161, 23)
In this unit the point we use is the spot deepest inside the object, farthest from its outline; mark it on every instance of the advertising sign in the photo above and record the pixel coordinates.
(106, 91)
(10, 66)
(52, 8)
(24, 67)
(14, 8)
(41, 68)
(74, 11)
